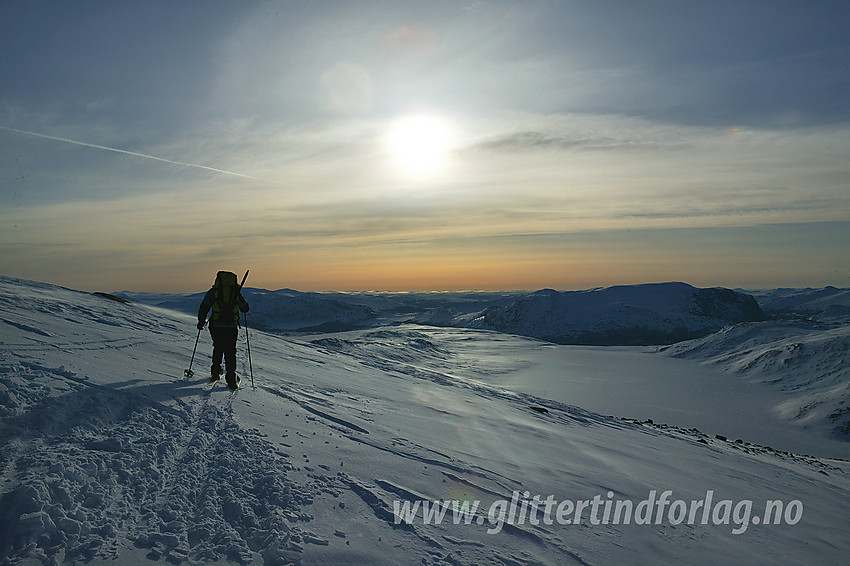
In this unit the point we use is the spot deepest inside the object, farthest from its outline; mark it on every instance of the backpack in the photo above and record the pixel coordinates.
(226, 303)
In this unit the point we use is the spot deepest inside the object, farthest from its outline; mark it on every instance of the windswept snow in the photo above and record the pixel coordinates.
(108, 453)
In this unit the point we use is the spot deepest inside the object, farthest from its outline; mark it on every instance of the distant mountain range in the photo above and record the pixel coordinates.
(660, 313)
(624, 315)
(829, 304)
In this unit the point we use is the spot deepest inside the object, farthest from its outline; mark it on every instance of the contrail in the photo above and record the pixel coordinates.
(126, 152)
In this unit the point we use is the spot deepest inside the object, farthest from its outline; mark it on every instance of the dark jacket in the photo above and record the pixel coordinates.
(207, 304)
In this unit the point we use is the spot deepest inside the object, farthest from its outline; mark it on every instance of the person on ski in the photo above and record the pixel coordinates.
(226, 301)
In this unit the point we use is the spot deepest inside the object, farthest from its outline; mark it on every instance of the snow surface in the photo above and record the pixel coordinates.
(109, 455)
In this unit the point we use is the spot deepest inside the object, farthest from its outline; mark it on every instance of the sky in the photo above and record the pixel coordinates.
(404, 146)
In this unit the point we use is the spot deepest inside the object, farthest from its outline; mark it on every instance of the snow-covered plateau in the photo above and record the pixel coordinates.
(720, 450)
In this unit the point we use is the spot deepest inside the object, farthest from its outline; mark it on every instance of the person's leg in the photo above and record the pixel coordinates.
(229, 346)
(218, 352)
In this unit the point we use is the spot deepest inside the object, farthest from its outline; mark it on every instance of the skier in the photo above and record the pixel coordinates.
(226, 300)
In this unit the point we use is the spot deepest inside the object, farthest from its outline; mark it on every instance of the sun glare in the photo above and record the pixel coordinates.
(420, 144)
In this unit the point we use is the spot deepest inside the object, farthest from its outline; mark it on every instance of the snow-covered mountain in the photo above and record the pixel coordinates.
(623, 315)
(109, 455)
(828, 304)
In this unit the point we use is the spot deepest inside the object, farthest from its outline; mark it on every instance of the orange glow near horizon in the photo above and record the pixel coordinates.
(565, 262)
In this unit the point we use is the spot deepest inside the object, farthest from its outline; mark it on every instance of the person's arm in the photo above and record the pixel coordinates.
(243, 304)
(205, 307)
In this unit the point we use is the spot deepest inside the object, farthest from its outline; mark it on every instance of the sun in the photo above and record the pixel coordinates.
(420, 144)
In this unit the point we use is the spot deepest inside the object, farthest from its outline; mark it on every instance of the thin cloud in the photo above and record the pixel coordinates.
(534, 141)
(127, 152)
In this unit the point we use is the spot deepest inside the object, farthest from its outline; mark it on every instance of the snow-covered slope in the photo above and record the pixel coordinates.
(828, 304)
(109, 455)
(624, 315)
(807, 360)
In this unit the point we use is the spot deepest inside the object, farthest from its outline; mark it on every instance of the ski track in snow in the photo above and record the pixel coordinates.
(99, 466)
(106, 456)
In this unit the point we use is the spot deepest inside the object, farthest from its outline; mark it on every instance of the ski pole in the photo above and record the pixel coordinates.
(189, 372)
(248, 340)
